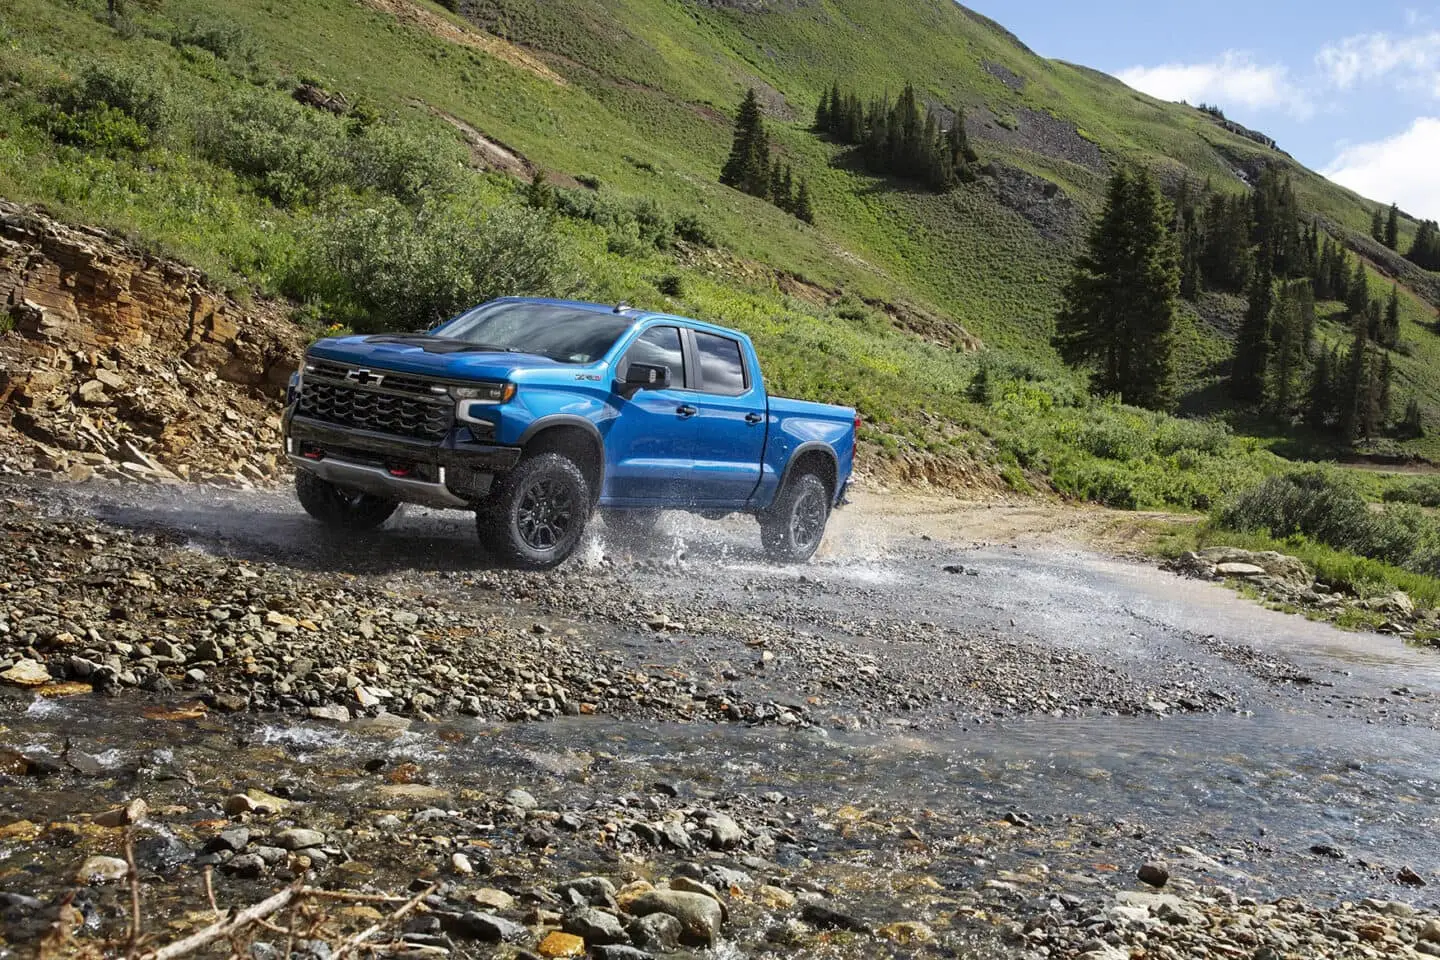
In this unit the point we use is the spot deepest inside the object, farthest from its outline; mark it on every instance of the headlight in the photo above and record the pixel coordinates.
(485, 392)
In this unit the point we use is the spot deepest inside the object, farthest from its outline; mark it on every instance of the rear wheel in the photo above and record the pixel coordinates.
(791, 530)
(536, 513)
(340, 508)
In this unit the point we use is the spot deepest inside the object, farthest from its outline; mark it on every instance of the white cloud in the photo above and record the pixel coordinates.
(1413, 61)
(1399, 169)
(1233, 80)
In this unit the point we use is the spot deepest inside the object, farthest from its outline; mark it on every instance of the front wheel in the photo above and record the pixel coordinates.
(340, 508)
(536, 513)
(791, 530)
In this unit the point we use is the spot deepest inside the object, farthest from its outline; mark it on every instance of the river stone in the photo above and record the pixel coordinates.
(521, 800)
(725, 833)
(26, 673)
(618, 952)
(235, 839)
(596, 891)
(658, 931)
(132, 812)
(253, 801)
(826, 917)
(906, 932)
(492, 899)
(557, 944)
(700, 916)
(596, 926)
(1431, 931)
(1239, 570)
(476, 925)
(1154, 873)
(775, 898)
(695, 886)
(99, 869)
(298, 838)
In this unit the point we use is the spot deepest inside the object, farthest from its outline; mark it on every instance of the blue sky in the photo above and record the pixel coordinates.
(1350, 89)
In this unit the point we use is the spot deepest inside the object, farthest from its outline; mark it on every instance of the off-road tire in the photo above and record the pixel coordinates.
(632, 525)
(339, 508)
(791, 530)
(535, 514)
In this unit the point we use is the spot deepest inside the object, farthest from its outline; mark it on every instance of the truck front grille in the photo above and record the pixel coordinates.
(402, 405)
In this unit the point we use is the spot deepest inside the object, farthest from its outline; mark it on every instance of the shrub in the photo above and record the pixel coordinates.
(389, 267)
(293, 154)
(222, 38)
(405, 165)
(690, 228)
(1425, 492)
(101, 127)
(672, 285)
(138, 95)
(1310, 502)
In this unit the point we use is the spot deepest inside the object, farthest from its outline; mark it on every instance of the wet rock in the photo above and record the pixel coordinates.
(298, 838)
(688, 885)
(253, 801)
(1409, 877)
(492, 899)
(596, 891)
(700, 916)
(619, 952)
(906, 932)
(132, 812)
(1236, 569)
(461, 864)
(330, 712)
(476, 925)
(725, 833)
(235, 839)
(825, 917)
(249, 866)
(26, 673)
(558, 944)
(1155, 873)
(775, 898)
(657, 931)
(102, 869)
(521, 800)
(595, 926)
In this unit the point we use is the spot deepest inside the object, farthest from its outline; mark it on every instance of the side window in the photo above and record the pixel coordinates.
(722, 369)
(659, 346)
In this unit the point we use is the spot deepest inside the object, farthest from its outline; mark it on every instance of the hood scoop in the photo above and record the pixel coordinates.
(436, 344)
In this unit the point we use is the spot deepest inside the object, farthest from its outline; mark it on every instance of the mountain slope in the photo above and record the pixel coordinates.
(880, 304)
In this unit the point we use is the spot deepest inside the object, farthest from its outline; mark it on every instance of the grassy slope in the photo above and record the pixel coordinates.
(653, 81)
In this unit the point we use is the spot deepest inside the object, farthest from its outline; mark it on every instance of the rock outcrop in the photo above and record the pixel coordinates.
(124, 364)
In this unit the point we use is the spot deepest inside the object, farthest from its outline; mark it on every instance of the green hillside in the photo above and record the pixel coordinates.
(626, 105)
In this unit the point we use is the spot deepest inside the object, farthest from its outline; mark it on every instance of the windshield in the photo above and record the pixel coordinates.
(559, 332)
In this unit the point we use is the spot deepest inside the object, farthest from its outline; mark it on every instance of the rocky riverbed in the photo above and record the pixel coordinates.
(918, 745)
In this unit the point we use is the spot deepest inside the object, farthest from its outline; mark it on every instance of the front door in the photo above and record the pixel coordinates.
(730, 425)
(650, 445)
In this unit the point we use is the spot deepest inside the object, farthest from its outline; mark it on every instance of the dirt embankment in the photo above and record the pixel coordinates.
(124, 364)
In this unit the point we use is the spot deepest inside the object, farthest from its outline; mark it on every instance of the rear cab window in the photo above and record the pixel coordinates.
(722, 365)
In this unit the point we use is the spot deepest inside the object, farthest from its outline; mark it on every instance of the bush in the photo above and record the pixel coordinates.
(690, 228)
(389, 267)
(405, 165)
(101, 127)
(1424, 492)
(672, 285)
(293, 154)
(139, 96)
(222, 38)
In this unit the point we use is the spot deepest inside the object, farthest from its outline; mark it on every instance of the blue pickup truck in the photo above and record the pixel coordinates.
(533, 413)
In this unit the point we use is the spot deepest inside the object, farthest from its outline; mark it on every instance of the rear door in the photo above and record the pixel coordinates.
(649, 447)
(729, 421)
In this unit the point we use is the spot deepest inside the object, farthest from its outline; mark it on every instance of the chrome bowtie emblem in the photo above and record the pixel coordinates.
(365, 377)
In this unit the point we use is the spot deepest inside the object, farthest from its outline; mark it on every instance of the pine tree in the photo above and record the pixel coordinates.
(1225, 258)
(775, 189)
(1390, 329)
(1320, 401)
(1119, 304)
(1285, 352)
(1392, 228)
(822, 112)
(1252, 344)
(1382, 392)
(1413, 426)
(802, 209)
(748, 166)
(1377, 226)
(1355, 390)
(1425, 249)
(787, 191)
(1357, 294)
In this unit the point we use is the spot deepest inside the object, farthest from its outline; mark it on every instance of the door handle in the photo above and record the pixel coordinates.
(686, 411)
(754, 417)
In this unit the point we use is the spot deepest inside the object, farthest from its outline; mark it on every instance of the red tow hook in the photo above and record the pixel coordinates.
(401, 471)
(313, 453)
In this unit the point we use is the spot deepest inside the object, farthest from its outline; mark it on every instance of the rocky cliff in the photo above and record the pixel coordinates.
(120, 363)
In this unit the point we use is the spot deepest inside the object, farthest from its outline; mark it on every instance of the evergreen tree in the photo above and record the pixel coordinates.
(1249, 367)
(1390, 328)
(748, 166)
(787, 191)
(822, 112)
(1382, 392)
(1355, 391)
(1425, 250)
(1413, 425)
(1225, 255)
(539, 194)
(1392, 228)
(775, 190)
(1119, 304)
(1286, 356)
(1357, 294)
(1306, 303)
(1377, 226)
(1320, 401)
(802, 209)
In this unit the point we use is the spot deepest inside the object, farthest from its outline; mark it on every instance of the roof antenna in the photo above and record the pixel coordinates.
(622, 306)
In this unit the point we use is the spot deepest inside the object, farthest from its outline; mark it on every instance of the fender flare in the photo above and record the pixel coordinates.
(811, 446)
(586, 426)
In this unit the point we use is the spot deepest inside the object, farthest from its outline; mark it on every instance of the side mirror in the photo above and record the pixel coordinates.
(645, 376)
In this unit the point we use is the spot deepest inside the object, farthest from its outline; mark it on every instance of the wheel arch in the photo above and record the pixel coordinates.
(821, 458)
(573, 437)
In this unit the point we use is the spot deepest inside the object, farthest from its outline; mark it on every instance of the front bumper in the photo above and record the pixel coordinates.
(457, 472)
